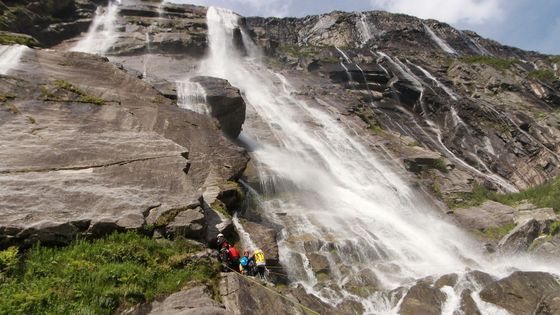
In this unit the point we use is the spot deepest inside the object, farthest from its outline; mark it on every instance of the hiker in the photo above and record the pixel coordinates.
(247, 264)
(233, 258)
(260, 262)
(223, 251)
(221, 241)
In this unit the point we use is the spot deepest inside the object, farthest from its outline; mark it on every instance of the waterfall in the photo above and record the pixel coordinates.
(338, 199)
(101, 35)
(474, 45)
(10, 57)
(245, 237)
(364, 29)
(440, 42)
(191, 95)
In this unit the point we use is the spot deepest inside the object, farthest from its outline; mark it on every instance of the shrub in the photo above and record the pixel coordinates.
(545, 75)
(8, 260)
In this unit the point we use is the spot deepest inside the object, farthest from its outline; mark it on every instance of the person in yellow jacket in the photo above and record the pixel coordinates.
(260, 261)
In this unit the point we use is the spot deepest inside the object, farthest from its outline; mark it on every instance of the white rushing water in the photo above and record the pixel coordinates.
(10, 57)
(333, 195)
(191, 95)
(439, 41)
(364, 29)
(101, 35)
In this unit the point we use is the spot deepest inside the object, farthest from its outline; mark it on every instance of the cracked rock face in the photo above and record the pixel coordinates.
(89, 149)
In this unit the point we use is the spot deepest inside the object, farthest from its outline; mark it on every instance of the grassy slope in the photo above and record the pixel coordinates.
(543, 196)
(98, 277)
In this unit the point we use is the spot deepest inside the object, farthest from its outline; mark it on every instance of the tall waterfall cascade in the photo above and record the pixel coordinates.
(101, 35)
(340, 200)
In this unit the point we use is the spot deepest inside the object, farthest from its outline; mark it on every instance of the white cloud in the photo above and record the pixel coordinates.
(452, 11)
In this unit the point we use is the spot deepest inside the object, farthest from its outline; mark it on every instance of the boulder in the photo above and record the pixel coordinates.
(240, 295)
(549, 305)
(468, 305)
(447, 280)
(521, 292)
(422, 299)
(489, 214)
(547, 246)
(190, 223)
(194, 301)
(520, 238)
(319, 263)
(225, 102)
(418, 159)
(363, 283)
(541, 215)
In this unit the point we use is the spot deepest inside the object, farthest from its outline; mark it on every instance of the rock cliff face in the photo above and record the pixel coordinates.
(90, 149)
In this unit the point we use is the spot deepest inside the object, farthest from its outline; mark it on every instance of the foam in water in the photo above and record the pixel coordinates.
(191, 95)
(338, 199)
(440, 42)
(10, 57)
(101, 35)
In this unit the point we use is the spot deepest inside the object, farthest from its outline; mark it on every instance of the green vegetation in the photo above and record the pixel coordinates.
(436, 189)
(371, 122)
(6, 97)
(221, 208)
(497, 233)
(12, 38)
(555, 59)
(554, 228)
(545, 75)
(83, 97)
(542, 196)
(100, 277)
(495, 62)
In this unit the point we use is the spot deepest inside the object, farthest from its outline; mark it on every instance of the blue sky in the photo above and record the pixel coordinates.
(528, 24)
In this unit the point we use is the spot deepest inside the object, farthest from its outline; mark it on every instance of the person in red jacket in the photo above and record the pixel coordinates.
(228, 254)
(233, 258)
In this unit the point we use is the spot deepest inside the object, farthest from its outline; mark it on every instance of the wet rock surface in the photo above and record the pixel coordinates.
(490, 214)
(94, 150)
(225, 102)
(422, 299)
(521, 292)
(242, 296)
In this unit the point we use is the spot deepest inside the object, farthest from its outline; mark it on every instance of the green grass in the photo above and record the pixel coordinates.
(497, 233)
(555, 59)
(497, 63)
(554, 228)
(83, 97)
(545, 75)
(542, 196)
(6, 97)
(99, 277)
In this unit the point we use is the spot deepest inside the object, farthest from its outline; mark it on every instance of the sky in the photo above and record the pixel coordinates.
(527, 24)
